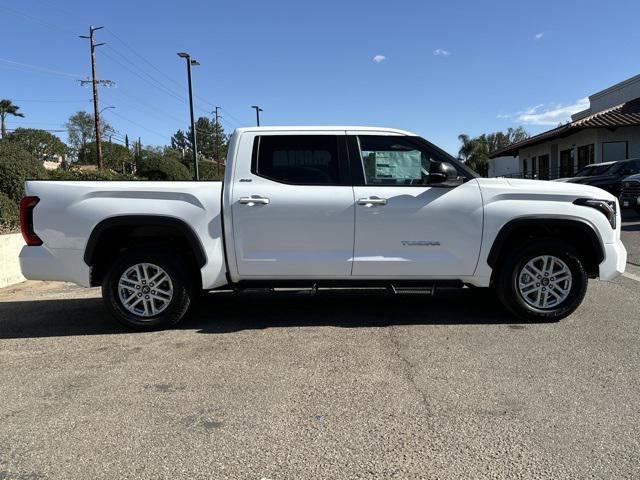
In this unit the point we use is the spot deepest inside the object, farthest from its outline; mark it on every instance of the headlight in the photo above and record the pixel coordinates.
(606, 207)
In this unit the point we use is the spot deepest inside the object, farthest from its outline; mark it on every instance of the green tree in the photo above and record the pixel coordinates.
(115, 157)
(154, 167)
(475, 151)
(39, 143)
(16, 166)
(7, 108)
(179, 141)
(220, 150)
(81, 130)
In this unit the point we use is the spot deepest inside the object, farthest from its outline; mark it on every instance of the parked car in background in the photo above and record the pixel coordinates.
(314, 207)
(592, 170)
(611, 178)
(630, 196)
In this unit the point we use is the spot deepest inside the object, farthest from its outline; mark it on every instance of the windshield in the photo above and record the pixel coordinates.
(592, 170)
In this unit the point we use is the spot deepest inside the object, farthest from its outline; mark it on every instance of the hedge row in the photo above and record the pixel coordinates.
(18, 165)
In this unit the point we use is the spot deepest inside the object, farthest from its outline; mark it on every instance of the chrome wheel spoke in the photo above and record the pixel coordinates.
(145, 290)
(544, 282)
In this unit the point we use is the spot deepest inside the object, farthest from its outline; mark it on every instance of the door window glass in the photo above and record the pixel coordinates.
(585, 155)
(298, 159)
(543, 167)
(391, 160)
(566, 162)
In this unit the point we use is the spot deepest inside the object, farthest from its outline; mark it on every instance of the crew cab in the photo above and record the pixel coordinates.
(315, 207)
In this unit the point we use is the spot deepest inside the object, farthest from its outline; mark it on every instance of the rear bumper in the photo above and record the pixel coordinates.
(615, 260)
(42, 263)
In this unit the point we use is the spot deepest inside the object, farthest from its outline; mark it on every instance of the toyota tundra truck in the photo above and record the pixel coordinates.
(323, 207)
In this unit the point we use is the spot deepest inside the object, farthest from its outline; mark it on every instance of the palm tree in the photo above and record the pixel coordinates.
(7, 108)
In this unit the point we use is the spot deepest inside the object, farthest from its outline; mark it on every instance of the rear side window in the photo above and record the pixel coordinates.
(297, 159)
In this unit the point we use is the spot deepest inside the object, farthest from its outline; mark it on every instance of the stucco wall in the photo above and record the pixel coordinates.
(10, 246)
(503, 166)
(585, 137)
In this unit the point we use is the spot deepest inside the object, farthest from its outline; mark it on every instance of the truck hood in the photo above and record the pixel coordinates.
(543, 187)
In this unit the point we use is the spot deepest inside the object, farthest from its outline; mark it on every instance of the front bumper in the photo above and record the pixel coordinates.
(629, 201)
(615, 261)
(42, 263)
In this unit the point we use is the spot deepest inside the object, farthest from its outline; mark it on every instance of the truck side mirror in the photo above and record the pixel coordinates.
(442, 172)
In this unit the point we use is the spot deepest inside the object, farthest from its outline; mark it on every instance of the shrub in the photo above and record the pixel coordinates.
(9, 220)
(208, 170)
(16, 166)
(89, 175)
(156, 168)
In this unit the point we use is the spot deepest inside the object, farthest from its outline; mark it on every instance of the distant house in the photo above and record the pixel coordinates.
(608, 130)
(52, 162)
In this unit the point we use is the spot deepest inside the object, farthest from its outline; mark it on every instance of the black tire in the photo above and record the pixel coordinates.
(509, 271)
(178, 306)
(637, 210)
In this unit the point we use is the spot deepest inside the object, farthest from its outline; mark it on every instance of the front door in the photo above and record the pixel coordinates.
(293, 207)
(406, 227)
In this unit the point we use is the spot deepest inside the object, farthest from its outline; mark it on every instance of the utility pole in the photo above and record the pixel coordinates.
(217, 141)
(258, 110)
(194, 145)
(126, 144)
(95, 82)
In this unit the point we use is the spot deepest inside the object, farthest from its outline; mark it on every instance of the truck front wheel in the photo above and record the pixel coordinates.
(543, 281)
(147, 289)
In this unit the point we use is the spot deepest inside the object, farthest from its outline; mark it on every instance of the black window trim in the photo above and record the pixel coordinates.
(357, 167)
(344, 174)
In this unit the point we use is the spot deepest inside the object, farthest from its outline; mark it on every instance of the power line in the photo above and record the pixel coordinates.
(39, 69)
(172, 80)
(37, 20)
(53, 101)
(111, 112)
(155, 85)
(144, 59)
(43, 129)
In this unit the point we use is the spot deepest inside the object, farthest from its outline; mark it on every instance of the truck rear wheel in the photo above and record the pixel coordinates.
(543, 281)
(147, 289)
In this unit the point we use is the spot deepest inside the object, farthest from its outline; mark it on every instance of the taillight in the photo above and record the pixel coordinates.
(27, 204)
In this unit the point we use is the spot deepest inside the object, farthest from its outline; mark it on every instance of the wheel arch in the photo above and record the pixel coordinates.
(578, 233)
(114, 233)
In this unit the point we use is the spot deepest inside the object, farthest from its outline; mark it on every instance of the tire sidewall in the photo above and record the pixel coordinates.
(182, 290)
(513, 299)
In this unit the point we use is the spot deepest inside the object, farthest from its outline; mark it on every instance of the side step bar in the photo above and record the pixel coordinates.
(413, 290)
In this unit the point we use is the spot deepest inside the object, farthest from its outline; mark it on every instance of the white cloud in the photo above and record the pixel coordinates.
(440, 51)
(379, 58)
(538, 36)
(548, 114)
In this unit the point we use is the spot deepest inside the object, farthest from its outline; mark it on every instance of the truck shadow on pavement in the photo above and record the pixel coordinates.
(226, 312)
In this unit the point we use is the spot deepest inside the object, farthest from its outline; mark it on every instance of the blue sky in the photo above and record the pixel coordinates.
(435, 68)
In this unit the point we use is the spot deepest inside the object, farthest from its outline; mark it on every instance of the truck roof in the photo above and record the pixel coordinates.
(277, 128)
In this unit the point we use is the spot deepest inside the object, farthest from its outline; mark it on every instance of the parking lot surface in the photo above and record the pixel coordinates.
(337, 385)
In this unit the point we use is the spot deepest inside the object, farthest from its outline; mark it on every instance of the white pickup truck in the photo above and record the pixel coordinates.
(315, 207)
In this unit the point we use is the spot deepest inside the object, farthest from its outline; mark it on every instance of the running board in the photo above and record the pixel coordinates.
(413, 290)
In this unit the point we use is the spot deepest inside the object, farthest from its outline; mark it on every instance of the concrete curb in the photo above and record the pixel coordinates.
(10, 246)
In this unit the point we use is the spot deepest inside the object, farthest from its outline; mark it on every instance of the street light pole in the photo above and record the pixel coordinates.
(258, 110)
(194, 145)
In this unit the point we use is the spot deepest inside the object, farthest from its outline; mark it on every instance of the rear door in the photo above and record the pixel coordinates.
(406, 227)
(292, 206)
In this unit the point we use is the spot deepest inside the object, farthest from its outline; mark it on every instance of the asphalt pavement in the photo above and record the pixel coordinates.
(337, 385)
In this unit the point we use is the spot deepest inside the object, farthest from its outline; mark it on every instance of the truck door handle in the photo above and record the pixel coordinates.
(254, 200)
(372, 201)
